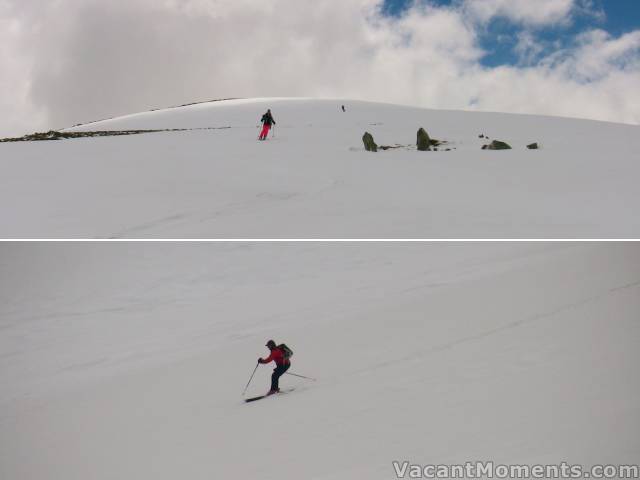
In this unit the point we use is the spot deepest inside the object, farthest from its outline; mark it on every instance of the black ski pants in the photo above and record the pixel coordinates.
(277, 373)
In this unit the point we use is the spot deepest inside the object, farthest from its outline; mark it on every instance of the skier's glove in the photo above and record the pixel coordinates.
(260, 360)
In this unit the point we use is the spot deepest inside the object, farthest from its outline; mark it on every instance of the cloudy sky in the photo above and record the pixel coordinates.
(65, 62)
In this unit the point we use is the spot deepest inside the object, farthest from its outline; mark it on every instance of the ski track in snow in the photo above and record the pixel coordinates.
(261, 201)
(418, 356)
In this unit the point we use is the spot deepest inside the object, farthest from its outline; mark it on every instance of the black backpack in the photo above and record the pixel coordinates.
(288, 353)
(268, 119)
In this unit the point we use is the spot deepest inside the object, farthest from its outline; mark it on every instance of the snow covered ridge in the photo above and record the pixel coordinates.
(204, 175)
(166, 108)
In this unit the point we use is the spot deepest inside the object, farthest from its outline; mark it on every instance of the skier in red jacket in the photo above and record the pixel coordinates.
(282, 364)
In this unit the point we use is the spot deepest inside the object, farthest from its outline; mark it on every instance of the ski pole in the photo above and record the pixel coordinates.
(301, 376)
(254, 372)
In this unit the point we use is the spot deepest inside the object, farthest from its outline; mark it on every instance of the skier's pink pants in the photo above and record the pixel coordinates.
(265, 130)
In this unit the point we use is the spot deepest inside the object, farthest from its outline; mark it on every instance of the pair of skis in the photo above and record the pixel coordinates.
(260, 397)
(253, 399)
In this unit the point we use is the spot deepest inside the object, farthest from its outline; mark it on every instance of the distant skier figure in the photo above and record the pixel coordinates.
(267, 120)
(279, 354)
(343, 108)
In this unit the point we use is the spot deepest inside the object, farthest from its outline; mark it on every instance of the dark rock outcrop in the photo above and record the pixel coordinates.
(369, 144)
(533, 146)
(497, 145)
(57, 135)
(423, 142)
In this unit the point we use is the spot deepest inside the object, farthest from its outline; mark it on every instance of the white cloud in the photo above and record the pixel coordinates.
(528, 47)
(67, 61)
(591, 9)
(529, 12)
(599, 54)
(18, 111)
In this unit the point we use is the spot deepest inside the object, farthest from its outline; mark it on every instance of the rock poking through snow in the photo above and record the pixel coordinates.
(369, 144)
(423, 141)
(497, 145)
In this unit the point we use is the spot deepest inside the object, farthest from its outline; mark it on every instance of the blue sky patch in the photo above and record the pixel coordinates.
(500, 38)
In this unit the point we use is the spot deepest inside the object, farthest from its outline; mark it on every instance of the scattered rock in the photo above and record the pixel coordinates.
(56, 135)
(369, 144)
(533, 146)
(423, 141)
(497, 145)
(481, 135)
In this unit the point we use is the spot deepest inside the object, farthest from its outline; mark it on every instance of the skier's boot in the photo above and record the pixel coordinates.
(271, 392)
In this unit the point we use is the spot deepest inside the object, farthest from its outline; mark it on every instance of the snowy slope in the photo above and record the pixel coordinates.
(315, 180)
(128, 360)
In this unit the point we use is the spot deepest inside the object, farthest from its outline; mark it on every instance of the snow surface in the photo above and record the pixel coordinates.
(128, 360)
(314, 180)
